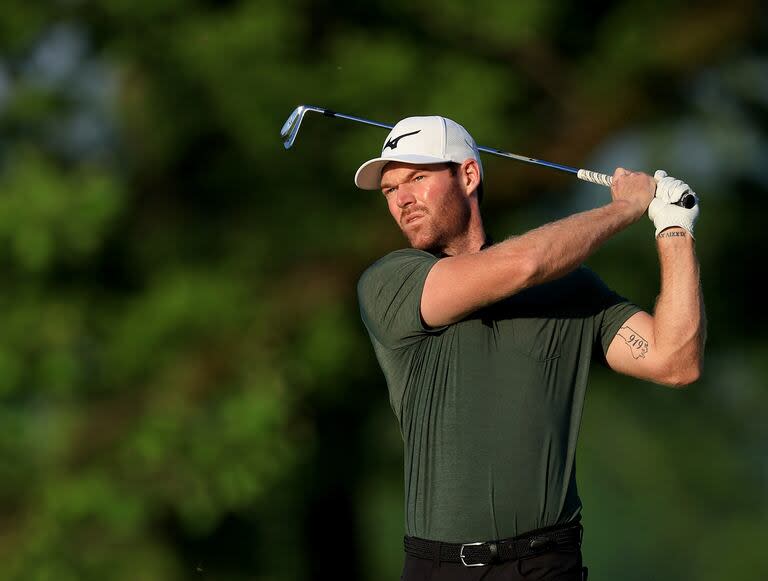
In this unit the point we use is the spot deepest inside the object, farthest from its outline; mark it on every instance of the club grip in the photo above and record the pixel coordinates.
(596, 178)
(688, 200)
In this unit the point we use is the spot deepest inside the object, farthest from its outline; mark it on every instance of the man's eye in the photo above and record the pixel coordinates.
(418, 178)
(389, 191)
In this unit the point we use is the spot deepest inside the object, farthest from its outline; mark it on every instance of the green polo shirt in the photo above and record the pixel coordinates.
(488, 407)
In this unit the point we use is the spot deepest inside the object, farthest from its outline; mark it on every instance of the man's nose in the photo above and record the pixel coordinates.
(405, 196)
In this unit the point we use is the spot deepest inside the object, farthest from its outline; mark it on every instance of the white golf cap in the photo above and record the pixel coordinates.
(420, 140)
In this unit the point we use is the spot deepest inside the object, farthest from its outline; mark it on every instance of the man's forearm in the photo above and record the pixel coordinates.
(680, 320)
(459, 285)
(557, 248)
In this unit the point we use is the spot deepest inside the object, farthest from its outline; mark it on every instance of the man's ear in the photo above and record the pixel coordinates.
(469, 174)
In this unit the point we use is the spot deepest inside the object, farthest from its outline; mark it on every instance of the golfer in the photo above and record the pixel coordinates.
(486, 349)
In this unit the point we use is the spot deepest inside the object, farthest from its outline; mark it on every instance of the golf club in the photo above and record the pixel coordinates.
(291, 129)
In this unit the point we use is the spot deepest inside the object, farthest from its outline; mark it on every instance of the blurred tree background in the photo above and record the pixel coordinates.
(186, 389)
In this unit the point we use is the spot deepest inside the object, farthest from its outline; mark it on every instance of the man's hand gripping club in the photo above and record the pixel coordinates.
(664, 212)
(635, 189)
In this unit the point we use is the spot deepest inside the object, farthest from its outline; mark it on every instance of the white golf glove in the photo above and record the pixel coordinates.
(663, 210)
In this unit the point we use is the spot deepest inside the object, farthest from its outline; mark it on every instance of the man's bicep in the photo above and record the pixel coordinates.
(632, 350)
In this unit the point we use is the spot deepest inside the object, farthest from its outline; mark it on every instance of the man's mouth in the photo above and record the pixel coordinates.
(412, 217)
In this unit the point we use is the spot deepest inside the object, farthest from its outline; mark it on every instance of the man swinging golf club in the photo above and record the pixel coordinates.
(486, 349)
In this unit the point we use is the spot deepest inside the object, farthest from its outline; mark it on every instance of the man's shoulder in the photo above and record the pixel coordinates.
(389, 263)
(587, 289)
(580, 279)
(579, 293)
(393, 273)
(403, 254)
(584, 277)
(389, 294)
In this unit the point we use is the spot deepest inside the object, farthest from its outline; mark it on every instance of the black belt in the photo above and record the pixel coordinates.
(558, 538)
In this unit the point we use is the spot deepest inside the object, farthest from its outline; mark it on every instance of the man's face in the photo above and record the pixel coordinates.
(427, 202)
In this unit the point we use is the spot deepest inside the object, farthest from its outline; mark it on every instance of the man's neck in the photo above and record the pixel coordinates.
(473, 240)
(466, 245)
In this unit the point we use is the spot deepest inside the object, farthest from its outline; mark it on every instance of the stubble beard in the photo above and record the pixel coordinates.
(435, 237)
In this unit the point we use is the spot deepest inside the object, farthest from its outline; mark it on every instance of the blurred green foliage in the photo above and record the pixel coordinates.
(186, 390)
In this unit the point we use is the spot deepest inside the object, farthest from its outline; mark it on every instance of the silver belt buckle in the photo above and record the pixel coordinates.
(461, 556)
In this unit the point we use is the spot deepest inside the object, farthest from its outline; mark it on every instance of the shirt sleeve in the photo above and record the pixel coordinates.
(389, 294)
(614, 310)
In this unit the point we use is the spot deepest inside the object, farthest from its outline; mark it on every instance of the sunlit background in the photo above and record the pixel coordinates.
(186, 389)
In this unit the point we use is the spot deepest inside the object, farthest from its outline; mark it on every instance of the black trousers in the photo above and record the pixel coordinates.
(551, 566)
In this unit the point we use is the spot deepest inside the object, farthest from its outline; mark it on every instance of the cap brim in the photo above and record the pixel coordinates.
(368, 175)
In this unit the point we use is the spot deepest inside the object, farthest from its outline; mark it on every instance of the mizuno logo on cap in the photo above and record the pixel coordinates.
(393, 142)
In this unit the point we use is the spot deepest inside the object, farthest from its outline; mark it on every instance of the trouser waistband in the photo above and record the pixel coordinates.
(557, 538)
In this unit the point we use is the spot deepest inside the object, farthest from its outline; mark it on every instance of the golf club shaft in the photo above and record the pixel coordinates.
(494, 151)
(291, 128)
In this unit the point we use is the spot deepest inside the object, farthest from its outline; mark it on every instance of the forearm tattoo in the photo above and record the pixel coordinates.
(636, 343)
(672, 234)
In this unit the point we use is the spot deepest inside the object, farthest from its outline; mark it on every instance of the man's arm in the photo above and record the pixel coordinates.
(666, 348)
(459, 285)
